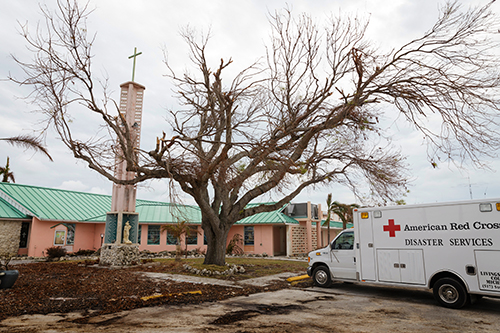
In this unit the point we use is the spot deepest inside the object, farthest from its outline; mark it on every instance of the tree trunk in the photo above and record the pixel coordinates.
(178, 250)
(216, 250)
(329, 232)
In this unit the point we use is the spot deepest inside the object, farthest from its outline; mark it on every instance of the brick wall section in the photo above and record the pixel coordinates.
(10, 234)
(314, 238)
(299, 239)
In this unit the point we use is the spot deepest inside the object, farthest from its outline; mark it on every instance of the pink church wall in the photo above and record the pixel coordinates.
(98, 230)
(163, 242)
(88, 237)
(41, 237)
(235, 229)
(263, 239)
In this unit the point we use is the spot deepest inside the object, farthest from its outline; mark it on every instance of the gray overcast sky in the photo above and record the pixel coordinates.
(240, 30)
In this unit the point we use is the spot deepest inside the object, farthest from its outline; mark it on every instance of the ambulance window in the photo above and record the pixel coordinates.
(344, 242)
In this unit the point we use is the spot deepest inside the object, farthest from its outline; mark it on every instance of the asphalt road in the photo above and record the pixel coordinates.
(342, 308)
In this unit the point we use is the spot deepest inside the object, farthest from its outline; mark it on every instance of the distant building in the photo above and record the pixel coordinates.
(335, 228)
(33, 219)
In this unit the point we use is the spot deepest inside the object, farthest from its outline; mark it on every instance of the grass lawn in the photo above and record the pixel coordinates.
(254, 267)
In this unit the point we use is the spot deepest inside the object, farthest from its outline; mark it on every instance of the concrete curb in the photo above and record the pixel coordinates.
(298, 278)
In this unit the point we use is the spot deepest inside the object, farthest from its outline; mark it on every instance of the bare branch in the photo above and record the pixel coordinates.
(308, 114)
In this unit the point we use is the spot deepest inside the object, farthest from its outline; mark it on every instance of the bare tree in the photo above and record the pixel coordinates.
(308, 115)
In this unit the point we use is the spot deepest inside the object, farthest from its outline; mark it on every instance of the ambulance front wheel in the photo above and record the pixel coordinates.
(450, 293)
(321, 277)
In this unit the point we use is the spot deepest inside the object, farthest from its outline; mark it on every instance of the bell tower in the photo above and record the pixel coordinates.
(121, 246)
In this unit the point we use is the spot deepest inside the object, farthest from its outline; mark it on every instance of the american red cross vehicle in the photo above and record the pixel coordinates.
(452, 248)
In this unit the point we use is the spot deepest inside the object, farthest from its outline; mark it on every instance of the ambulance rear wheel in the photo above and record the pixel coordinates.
(450, 293)
(321, 277)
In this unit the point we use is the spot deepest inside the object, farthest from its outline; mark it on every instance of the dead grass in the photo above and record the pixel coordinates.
(254, 267)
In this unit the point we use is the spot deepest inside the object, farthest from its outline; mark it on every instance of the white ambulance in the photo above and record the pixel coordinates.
(453, 248)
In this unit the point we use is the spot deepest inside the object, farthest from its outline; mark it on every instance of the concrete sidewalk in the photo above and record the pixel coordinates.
(258, 282)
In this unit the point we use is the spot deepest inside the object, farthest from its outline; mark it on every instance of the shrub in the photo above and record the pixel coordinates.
(233, 247)
(84, 252)
(55, 252)
(91, 262)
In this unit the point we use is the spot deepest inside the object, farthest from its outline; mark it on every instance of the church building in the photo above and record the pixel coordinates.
(33, 219)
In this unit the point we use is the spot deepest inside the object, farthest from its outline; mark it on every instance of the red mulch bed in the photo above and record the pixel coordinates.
(71, 286)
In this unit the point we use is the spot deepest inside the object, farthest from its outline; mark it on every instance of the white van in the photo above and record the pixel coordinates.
(453, 248)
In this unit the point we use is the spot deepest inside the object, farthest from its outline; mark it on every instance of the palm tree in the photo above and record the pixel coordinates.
(328, 214)
(177, 230)
(6, 173)
(27, 141)
(344, 212)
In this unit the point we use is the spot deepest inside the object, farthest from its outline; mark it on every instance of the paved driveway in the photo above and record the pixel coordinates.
(342, 308)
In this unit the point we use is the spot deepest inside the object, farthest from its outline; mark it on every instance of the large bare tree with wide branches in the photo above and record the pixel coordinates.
(308, 114)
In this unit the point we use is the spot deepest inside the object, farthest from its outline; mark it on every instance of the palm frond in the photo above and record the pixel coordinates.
(28, 142)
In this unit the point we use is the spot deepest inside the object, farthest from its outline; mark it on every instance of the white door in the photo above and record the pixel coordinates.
(411, 264)
(343, 262)
(388, 266)
(488, 269)
(366, 250)
(406, 266)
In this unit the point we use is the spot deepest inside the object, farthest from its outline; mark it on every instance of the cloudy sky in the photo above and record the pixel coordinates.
(240, 30)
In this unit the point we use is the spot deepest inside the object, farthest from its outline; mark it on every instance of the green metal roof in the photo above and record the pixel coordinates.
(275, 217)
(9, 211)
(336, 224)
(160, 212)
(150, 211)
(23, 201)
(55, 204)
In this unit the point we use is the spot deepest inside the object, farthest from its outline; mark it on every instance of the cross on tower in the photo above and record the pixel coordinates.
(134, 56)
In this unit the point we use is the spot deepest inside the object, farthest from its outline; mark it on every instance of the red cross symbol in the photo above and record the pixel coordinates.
(392, 228)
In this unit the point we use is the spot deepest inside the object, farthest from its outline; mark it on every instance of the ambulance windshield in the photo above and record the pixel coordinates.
(344, 242)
